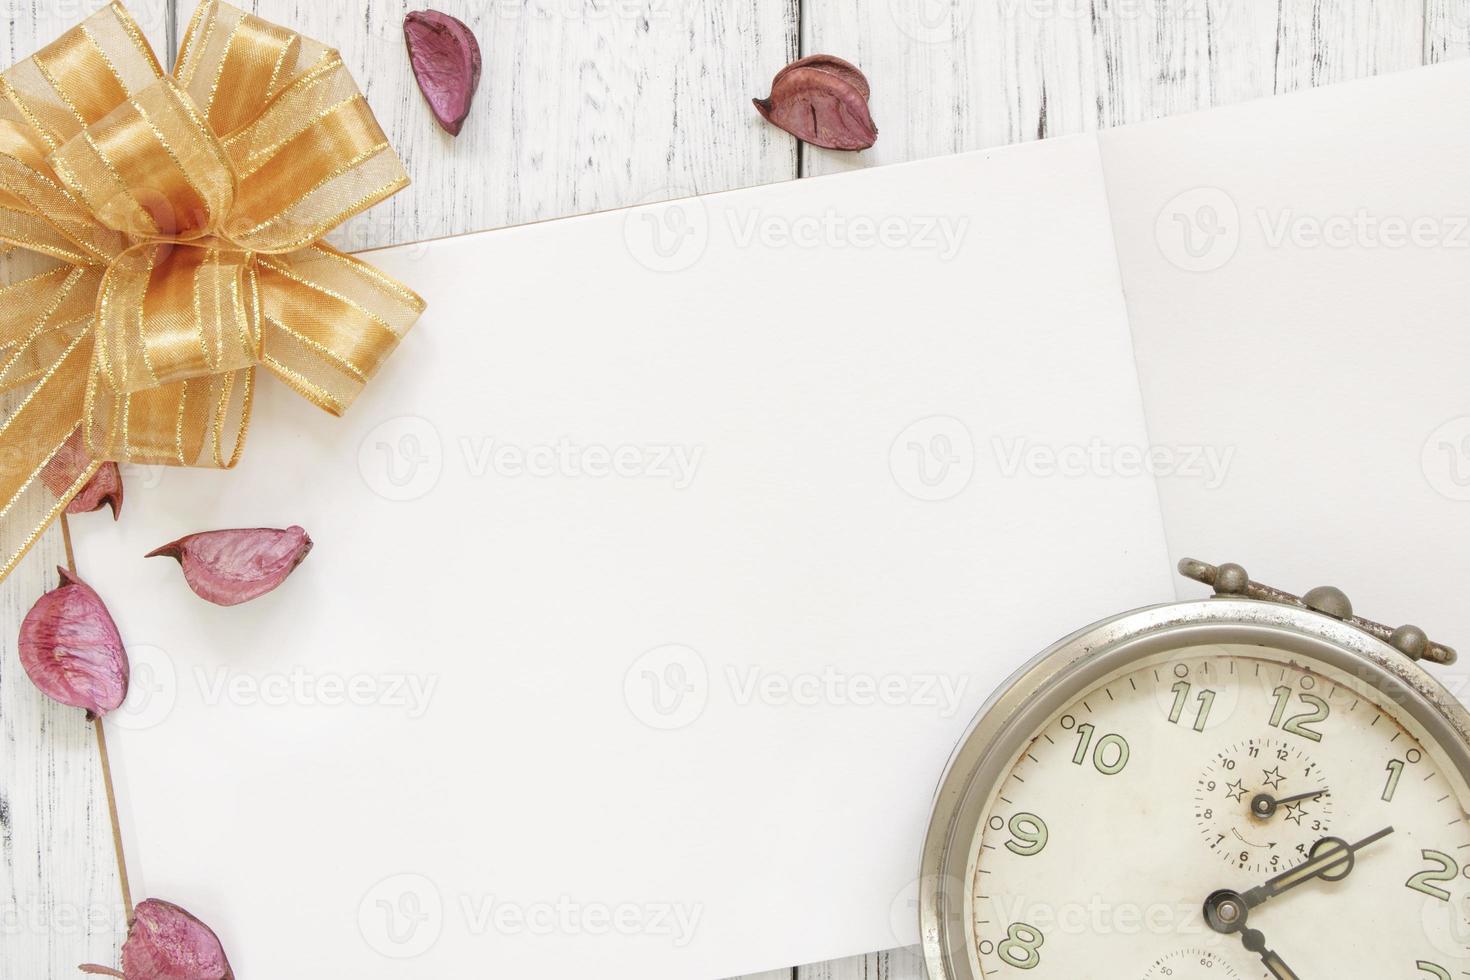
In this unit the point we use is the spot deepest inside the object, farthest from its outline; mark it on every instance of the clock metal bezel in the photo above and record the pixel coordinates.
(1067, 670)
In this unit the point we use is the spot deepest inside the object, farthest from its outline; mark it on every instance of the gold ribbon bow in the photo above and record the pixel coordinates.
(161, 236)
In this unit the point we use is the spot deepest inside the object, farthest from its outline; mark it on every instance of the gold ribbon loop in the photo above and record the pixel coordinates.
(36, 212)
(161, 238)
(170, 312)
(150, 168)
(82, 76)
(330, 320)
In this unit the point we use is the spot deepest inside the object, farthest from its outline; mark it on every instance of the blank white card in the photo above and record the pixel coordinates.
(661, 568)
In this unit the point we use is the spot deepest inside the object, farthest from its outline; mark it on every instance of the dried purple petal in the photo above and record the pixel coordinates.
(822, 100)
(62, 471)
(104, 490)
(235, 566)
(446, 62)
(845, 70)
(71, 650)
(167, 943)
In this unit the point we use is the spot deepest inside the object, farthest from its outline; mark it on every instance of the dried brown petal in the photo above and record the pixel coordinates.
(62, 471)
(822, 100)
(167, 943)
(104, 490)
(845, 70)
(71, 650)
(446, 62)
(235, 566)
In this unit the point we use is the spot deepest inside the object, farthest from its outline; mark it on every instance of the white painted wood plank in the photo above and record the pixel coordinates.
(588, 106)
(898, 964)
(956, 75)
(60, 898)
(584, 106)
(1446, 30)
(30, 25)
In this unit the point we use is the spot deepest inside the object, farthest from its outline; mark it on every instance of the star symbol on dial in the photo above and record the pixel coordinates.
(1235, 790)
(1274, 777)
(1295, 812)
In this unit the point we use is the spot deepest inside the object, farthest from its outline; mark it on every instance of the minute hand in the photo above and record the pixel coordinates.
(1331, 860)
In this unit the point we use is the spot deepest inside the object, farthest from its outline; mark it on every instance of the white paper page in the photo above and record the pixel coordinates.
(684, 722)
(1314, 328)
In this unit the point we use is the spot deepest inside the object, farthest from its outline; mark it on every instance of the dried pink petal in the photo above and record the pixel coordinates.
(167, 943)
(446, 62)
(845, 70)
(822, 100)
(235, 566)
(104, 490)
(62, 471)
(71, 650)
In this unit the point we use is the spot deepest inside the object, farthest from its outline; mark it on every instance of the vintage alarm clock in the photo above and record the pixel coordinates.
(1251, 785)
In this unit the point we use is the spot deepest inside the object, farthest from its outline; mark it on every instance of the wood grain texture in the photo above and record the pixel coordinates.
(594, 104)
(898, 964)
(1446, 30)
(60, 898)
(583, 106)
(956, 75)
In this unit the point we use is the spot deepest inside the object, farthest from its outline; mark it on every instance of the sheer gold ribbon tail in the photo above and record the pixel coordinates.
(161, 239)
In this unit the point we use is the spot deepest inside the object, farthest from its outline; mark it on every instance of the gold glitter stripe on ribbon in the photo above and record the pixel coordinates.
(256, 55)
(82, 76)
(187, 214)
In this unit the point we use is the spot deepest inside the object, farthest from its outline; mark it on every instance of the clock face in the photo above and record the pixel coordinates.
(1220, 812)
